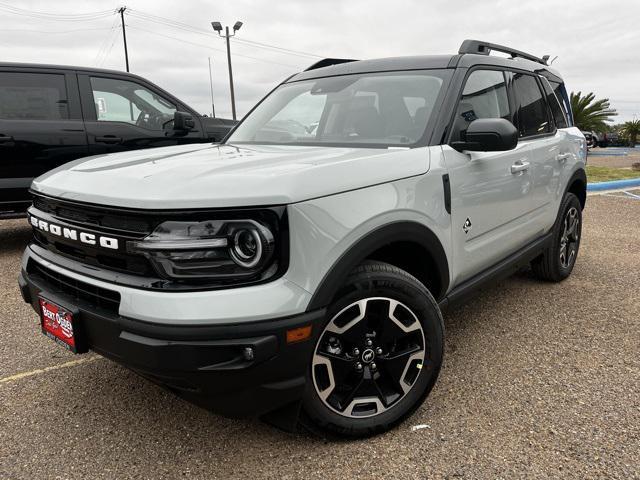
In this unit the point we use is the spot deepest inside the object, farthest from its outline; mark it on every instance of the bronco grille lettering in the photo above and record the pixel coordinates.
(74, 234)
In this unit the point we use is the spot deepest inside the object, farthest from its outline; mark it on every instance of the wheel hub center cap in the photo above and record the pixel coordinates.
(368, 355)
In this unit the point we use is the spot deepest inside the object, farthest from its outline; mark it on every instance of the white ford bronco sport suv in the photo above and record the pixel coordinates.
(296, 272)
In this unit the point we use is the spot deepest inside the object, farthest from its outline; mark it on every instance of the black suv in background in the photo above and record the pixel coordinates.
(51, 114)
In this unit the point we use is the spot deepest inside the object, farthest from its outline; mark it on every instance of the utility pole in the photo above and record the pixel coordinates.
(124, 36)
(213, 108)
(217, 26)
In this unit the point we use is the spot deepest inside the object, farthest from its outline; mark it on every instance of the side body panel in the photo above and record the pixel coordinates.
(491, 210)
(572, 150)
(324, 229)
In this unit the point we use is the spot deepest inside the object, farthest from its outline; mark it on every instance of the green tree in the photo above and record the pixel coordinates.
(630, 130)
(589, 113)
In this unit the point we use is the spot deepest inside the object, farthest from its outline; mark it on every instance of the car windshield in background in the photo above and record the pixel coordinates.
(375, 109)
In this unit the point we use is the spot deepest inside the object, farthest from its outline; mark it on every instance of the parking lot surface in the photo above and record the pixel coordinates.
(539, 381)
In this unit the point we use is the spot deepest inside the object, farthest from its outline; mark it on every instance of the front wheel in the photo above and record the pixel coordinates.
(377, 357)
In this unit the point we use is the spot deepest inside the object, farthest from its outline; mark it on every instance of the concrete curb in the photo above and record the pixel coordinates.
(615, 184)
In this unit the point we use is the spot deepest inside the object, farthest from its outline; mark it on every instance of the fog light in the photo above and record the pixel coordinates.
(248, 354)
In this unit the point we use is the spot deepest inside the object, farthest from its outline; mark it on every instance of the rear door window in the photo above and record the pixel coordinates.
(33, 96)
(530, 110)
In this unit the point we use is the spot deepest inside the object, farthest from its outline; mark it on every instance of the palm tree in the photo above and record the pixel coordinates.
(631, 130)
(589, 113)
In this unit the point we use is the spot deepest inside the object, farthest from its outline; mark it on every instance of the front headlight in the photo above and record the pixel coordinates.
(228, 250)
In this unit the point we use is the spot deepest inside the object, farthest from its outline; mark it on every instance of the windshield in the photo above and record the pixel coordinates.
(374, 109)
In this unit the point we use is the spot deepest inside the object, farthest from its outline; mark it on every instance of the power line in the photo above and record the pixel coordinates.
(76, 17)
(210, 47)
(53, 32)
(113, 33)
(101, 55)
(106, 55)
(183, 26)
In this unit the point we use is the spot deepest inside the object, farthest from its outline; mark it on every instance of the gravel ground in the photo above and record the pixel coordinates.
(539, 381)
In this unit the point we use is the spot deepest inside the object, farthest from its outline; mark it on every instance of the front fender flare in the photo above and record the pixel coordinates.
(365, 246)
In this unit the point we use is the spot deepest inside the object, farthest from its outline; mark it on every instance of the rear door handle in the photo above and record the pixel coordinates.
(109, 139)
(5, 138)
(563, 157)
(519, 167)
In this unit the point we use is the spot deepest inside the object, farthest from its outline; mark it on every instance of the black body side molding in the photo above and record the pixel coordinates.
(500, 270)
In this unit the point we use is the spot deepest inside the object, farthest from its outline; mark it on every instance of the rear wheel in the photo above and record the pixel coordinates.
(557, 261)
(377, 357)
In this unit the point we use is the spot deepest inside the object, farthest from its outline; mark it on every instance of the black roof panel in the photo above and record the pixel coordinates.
(377, 65)
(419, 63)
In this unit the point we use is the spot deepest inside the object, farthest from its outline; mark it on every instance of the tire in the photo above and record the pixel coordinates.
(554, 265)
(397, 328)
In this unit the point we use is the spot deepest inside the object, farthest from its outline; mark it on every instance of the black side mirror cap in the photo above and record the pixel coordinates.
(183, 121)
(488, 135)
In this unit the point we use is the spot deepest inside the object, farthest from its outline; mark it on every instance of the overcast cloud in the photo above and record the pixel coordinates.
(597, 43)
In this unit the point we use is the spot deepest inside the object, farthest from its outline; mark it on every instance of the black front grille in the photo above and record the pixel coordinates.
(118, 223)
(115, 220)
(96, 297)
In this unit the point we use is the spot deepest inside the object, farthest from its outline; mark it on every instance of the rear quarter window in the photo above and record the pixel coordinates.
(561, 93)
(557, 111)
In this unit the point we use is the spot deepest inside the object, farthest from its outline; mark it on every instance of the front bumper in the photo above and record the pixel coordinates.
(206, 364)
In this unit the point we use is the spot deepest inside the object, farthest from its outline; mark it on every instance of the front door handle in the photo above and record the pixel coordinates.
(563, 157)
(109, 139)
(519, 167)
(5, 138)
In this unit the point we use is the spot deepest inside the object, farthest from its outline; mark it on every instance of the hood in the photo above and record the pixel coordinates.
(211, 176)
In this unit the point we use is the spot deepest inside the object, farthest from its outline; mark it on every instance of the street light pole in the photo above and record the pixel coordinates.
(217, 26)
(213, 108)
(233, 95)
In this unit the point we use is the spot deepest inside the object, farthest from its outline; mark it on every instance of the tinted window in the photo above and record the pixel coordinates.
(124, 101)
(33, 96)
(360, 109)
(556, 110)
(561, 95)
(530, 109)
(484, 96)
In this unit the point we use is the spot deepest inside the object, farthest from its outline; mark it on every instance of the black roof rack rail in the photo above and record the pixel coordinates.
(484, 48)
(326, 62)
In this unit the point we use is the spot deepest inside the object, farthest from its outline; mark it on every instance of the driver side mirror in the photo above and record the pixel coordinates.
(183, 121)
(488, 135)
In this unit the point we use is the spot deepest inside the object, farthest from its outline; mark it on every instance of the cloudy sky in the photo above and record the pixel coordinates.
(597, 43)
